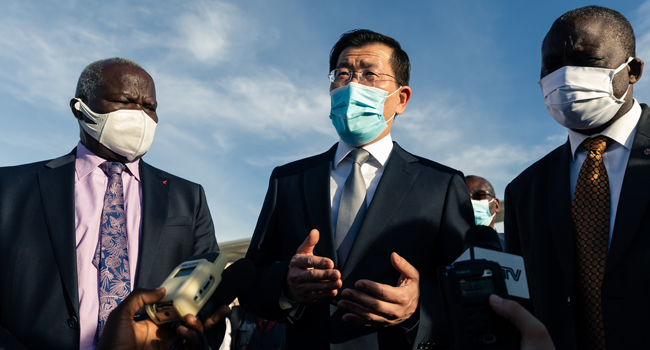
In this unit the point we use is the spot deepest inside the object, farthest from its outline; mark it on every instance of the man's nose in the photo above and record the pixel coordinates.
(356, 75)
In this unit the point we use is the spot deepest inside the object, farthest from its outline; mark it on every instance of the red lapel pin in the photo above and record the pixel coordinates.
(165, 182)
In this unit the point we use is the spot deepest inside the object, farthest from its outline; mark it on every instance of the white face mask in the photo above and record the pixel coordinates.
(127, 132)
(582, 97)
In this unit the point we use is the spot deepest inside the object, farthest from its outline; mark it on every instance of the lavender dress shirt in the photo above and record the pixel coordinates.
(89, 189)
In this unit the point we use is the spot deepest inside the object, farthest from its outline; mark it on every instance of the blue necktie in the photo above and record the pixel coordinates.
(111, 255)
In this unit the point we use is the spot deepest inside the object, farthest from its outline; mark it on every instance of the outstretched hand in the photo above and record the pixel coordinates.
(374, 304)
(311, 277)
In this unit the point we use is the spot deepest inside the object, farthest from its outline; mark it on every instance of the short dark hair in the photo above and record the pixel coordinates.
(620, 27)
(399, 60)
(489, 185)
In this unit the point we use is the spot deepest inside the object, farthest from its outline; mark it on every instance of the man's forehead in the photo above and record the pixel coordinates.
(369, 55)
(579, 32)
(475, 184)
(124, 73)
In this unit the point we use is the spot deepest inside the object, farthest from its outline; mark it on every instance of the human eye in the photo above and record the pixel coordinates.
(371, 76)
(342, 73)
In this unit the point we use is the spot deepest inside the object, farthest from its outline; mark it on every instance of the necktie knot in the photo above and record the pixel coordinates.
(112, 168)
(360, 156)
(597, 144)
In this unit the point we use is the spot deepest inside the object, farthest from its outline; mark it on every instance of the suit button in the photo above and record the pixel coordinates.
(72, 322)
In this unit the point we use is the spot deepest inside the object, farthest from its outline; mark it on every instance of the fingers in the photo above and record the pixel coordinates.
(311, 277)
(219, 315)
(307, 247)
(389, 303)
(188, 331)
(311, 261)
(307, 286)
(405, 268)
(534, 335)
(140, 297)
(376, 304)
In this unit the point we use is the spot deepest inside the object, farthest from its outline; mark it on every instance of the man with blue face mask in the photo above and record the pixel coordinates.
(348, 241)
(485, 204)
(580, 215)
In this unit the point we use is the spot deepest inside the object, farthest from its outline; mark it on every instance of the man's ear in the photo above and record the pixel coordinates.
(497, 205)
(77, 113)
(636, 70)
(404, 97)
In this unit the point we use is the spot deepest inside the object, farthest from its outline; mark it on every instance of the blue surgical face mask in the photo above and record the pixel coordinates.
(358, 113)
(482, 216)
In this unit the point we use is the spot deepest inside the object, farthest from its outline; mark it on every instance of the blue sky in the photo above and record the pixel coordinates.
(242, 85)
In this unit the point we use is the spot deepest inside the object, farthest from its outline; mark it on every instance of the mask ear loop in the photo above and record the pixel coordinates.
(620, 68)
(391, 94)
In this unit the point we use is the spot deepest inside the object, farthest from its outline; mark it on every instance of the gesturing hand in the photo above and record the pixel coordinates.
(311, 277)
(375, 304)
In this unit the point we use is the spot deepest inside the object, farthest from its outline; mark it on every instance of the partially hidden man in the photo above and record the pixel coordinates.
(348, 241)
(79, 232)
(580, 216)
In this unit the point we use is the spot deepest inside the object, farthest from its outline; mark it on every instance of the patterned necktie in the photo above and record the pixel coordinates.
(590, 212)
(352, 207)
(111, 258)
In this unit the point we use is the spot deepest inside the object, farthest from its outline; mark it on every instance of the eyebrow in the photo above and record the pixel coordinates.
(363, 64)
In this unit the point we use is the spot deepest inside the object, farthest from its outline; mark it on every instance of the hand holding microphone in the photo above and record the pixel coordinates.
(122, 332)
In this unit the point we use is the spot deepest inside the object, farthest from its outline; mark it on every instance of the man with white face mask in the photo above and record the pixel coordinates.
(80, 232)
(579, 216)
(348, 241)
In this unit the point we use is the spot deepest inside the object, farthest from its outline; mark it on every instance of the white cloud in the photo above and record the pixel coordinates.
(41, 63)
(268, 105)
(214, 32)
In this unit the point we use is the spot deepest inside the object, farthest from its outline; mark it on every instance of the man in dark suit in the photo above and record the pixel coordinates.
(579, 216)
(348, 241)
(51, 212)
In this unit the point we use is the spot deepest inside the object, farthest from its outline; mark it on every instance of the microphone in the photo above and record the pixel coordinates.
(234, 280)
(482, 242)
(483, 237)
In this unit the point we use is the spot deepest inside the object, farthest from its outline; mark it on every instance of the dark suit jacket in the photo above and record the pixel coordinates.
(39, 301)
(538, 226)
(421, 210)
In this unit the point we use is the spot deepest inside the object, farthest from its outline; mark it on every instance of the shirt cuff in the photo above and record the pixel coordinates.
(410, 333)
(286, 303)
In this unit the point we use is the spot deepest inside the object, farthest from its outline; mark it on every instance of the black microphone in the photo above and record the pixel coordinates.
(234, 280)
(483, 237)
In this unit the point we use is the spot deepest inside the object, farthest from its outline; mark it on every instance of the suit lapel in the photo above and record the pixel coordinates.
(635, 193)
(316, 184)
(559, 208)
(399, 174)
(56, 185)
(155, 199)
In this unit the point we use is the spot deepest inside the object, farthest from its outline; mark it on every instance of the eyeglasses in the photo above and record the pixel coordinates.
(367, 77)
(479, 195)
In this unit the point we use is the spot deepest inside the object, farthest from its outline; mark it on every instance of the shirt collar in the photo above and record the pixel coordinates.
(379, 150)
(87, 161)
(622, 131)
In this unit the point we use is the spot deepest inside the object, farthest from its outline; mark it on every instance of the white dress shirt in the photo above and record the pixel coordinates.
(615, 157)
(371, 171)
